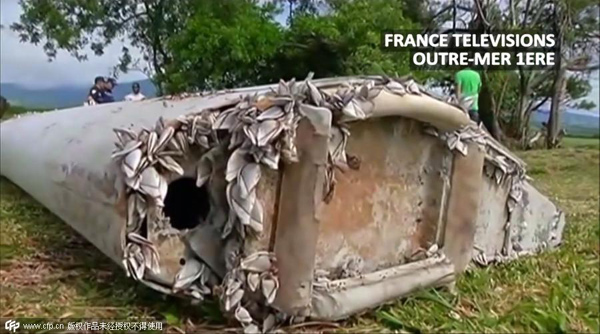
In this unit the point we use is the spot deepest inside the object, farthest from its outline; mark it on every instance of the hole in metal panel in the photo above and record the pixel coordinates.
(185, 204)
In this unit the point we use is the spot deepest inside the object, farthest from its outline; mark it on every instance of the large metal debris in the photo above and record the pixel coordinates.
(309, 199)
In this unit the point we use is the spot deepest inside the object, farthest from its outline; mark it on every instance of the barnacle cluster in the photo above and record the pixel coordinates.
(500, 167)
(252, 132)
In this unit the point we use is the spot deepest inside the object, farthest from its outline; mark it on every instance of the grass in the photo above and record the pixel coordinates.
(48, 271)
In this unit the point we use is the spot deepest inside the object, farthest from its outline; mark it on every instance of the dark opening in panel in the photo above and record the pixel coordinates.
(186, 205)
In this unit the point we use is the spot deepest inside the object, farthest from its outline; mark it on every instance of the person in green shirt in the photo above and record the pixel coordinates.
(467, 86)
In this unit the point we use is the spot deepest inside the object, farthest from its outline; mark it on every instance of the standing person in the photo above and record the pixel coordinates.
(96, 94)
(135, 94)
(109, 84)
(467, 87)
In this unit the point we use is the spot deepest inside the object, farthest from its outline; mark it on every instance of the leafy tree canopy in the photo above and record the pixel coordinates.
(207, 44)
(344, 40)
(223, 44)
(586, 105)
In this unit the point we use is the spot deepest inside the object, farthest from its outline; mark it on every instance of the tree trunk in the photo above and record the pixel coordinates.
(553, 124)
(4, 105)
(522, 122)
(487, 106)
(554, 118)
(487, 110)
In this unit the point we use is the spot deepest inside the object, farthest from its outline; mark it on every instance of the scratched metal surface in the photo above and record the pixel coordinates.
(493, 216)
(383, 212)
(544, 222)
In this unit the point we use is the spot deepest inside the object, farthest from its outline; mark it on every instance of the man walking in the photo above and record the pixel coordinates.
(135, 95)
(467, 86)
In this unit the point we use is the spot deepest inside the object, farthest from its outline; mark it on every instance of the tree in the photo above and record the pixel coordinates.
(577, 23)
(533, 87)
(576, 44)
(343, 40)
(242, 45)
(586, 105)
(300, 7)
(4, 106)
(210, 44)
(223, 44)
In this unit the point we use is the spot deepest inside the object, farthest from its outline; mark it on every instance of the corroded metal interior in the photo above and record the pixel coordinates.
(385, 210)
(311, 199)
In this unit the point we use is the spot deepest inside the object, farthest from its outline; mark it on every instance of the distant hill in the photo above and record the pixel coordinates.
(576, 122)
(63, 97)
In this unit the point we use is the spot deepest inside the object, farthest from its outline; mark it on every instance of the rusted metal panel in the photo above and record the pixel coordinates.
(386, 210)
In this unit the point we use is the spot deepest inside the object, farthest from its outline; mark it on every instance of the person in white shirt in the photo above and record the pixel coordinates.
(136, 95)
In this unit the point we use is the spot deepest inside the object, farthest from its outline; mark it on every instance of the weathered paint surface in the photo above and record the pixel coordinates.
(493, 216)
(463, 205)
(342, 298)
(538, 224)
(534, 224)
(388, 208)
(299, 220)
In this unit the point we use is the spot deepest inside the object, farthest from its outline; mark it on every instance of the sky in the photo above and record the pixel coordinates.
(27, 65)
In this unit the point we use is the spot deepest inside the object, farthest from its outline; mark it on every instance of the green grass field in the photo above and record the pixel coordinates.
(47, 270)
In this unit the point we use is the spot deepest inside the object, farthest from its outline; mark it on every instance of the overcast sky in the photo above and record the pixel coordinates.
(27, 64)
